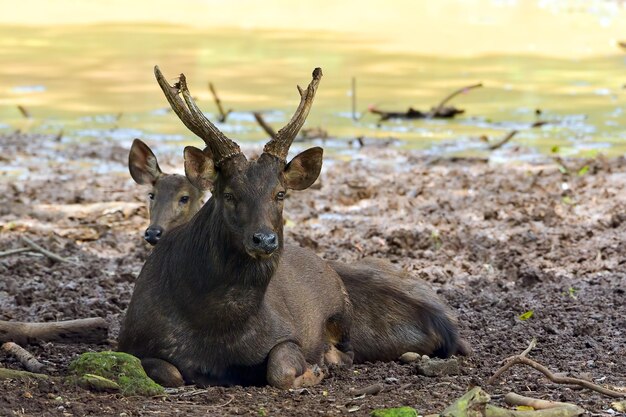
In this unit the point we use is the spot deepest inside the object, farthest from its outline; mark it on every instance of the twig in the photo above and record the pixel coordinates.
(268, 129)
(218, 103)
(531, 346)
(230, 400)
(354, 116)
(192, 393)
(24, 111)
(46, 252)
(503, 141)
(14, 252)
(522, 359)
(25, 357)
(437, 109)
(539, 123)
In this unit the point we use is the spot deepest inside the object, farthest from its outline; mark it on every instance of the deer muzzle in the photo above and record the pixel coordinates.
(153, 234)
(262, 244)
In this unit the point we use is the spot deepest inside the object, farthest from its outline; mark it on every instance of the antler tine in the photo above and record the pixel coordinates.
(192, 117)
(176, 103)
(279, 146)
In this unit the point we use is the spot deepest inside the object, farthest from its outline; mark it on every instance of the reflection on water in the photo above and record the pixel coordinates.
(97, 82)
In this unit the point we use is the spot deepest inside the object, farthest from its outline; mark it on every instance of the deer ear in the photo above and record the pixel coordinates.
(302, 171)
(199, 168)
(142, 164)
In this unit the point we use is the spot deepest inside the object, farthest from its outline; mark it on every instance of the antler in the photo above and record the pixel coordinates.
(192, 117)
(279, 146)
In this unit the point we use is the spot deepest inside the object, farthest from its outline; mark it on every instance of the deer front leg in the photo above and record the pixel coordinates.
(287, 368)
(163, 372)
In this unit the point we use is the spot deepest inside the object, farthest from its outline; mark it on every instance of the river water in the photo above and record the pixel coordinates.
(95, 81)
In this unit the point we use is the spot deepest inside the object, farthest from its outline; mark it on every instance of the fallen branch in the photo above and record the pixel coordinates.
(218, 103)
(571, 411)
(536, 403)
(411, 113)
(14, 252)
(46, 252)
(522, 359)
(441, 111)
(19, 375)
(24, 111)
(305, 134)
(441, 105)
(503, 141)
(267, 128)
(476, 403)
(25, 357)
(92, 330)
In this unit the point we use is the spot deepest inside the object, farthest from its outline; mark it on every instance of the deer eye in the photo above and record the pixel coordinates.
(184, 199)
(229, 197)
(151, 196)
(280, 196)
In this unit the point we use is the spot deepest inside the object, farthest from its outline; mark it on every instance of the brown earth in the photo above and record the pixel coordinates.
(496, 241)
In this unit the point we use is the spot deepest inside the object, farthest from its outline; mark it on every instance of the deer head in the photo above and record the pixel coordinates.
(173, 200)
(248, 194)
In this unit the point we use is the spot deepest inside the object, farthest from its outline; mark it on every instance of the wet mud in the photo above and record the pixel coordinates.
(495, 240)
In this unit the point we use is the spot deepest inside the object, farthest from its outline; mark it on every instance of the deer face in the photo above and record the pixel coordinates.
(173, 200)
(250, 194)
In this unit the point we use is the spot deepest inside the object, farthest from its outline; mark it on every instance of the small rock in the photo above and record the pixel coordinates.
(437, 367)
(391, 380)
(409, 357)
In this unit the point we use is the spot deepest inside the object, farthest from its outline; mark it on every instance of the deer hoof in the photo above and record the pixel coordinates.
(312, 376)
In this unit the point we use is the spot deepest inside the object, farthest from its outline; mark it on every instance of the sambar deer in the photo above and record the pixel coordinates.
(207, 285)
(393, 311)
(173, 199)
(219, 301)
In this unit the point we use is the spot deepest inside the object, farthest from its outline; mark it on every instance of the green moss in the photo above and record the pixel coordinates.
(123, 369)
(395, 412)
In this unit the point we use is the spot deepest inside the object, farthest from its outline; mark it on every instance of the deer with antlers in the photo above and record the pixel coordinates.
(223, 300)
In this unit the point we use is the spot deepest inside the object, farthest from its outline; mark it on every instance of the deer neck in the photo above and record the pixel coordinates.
(228, 283)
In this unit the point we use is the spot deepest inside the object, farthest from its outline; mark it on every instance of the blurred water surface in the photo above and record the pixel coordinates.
(95, 81)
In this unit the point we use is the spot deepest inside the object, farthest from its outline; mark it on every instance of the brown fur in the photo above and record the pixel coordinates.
(221, 313)
(394, 312)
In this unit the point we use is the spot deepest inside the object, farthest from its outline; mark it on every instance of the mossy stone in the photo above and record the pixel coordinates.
(123, 369)
(395, 412)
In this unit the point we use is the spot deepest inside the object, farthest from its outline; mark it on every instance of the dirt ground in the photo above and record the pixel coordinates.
(496, 241)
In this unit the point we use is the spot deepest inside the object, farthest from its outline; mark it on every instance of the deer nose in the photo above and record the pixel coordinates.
(153, 234)
(265, 241)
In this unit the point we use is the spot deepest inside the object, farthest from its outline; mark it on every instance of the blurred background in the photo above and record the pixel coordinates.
(84, 70)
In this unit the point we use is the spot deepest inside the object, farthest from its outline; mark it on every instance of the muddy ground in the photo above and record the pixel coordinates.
(496, 241)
